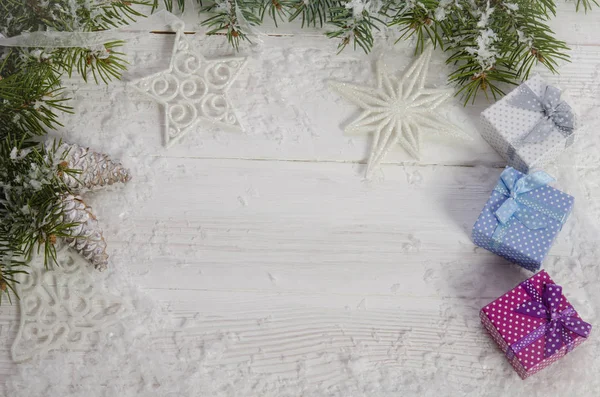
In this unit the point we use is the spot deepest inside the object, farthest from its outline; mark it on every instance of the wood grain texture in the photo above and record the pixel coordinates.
(576, 28)
(294, 117)
(265, 225)
(271, 247)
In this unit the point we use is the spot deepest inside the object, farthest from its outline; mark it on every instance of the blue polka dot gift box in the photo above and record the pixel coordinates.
(534, 324)
(531, 126)
(522, 218)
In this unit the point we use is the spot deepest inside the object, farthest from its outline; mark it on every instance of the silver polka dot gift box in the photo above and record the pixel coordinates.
(522, 218)
(531, 126)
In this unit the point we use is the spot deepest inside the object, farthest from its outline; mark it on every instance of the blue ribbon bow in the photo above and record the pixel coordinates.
(531, 215)
(556, 114)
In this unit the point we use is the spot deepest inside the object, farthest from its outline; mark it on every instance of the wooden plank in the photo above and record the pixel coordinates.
(357, 277)
(576, 28)
(287, 110)
(281, 333)
(276, 266)
(291, 267)
(256, 227)
(262, 226)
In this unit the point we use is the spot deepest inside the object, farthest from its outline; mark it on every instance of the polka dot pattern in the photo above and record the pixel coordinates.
(504, 126)
(556, 114)
(559, 324)
(506, 326)
(578, 326)
(518, 242)
(550, 360)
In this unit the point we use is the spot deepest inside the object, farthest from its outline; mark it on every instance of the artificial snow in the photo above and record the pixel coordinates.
(158, 352)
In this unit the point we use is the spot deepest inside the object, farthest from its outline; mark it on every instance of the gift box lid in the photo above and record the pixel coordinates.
(519, 243)
(513, 123)
(545, 199)
(518, 316)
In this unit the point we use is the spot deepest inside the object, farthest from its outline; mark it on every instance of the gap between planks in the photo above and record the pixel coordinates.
(497, 165)
(354, 162)
(313, 35)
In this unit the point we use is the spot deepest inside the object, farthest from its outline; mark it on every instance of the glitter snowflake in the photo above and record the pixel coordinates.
(63, 307)
(398, 110)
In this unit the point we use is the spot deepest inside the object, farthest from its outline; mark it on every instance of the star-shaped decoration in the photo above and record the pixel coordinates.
(193, 90)
(398, 110)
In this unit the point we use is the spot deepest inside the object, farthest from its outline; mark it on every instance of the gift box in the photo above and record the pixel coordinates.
(530, 126)
(534, 324)
(522, 218)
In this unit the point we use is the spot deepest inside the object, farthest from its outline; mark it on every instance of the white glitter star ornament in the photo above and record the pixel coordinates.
(193, 90)
(398, 110)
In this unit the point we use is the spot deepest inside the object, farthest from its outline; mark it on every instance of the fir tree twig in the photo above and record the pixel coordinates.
(31, 100)
(490, 43)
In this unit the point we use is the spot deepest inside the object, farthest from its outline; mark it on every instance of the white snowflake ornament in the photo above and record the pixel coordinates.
(63, 307)
(398, 110)
(193, 90)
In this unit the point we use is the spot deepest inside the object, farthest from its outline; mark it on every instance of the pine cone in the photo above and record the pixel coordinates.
(86, 237)
(96, 170)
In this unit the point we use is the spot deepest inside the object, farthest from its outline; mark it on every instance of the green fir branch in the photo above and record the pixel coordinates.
(277, 10)
(31, 187)
(31, 102)
(170, 5)
(313, 13)
(18, 16)
(356, 29)
(414, 21)
(225, 19)
(486, 52)
(587, 5)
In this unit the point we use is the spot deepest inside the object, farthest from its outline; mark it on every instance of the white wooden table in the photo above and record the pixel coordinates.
(321, 280)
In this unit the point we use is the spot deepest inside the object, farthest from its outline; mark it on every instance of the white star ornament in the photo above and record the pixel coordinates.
(398, 110)
(193, 90)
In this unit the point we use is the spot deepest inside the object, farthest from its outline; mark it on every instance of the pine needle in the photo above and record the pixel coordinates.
(489, 43)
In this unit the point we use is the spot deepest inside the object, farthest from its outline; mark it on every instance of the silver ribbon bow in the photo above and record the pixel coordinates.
(556, 114)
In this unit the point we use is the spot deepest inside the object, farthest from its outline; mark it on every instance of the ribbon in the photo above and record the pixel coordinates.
(531, 214)
(556, 114)
(51, 39)
(559, 325)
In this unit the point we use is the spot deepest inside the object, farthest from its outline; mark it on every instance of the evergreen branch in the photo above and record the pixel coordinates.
(117, 13)
(18, 16)
(169, 4)
(587, 5)
(31, 185)
(30, 100)
(417, 23)
(276, 9)
(358, 29)
(104, 62)
(490, 43)
(32, 188)
(313, 13)
(225, 19)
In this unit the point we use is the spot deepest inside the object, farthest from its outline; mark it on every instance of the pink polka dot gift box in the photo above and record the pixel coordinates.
(530, 126)
(522, 218)
(534, 324)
